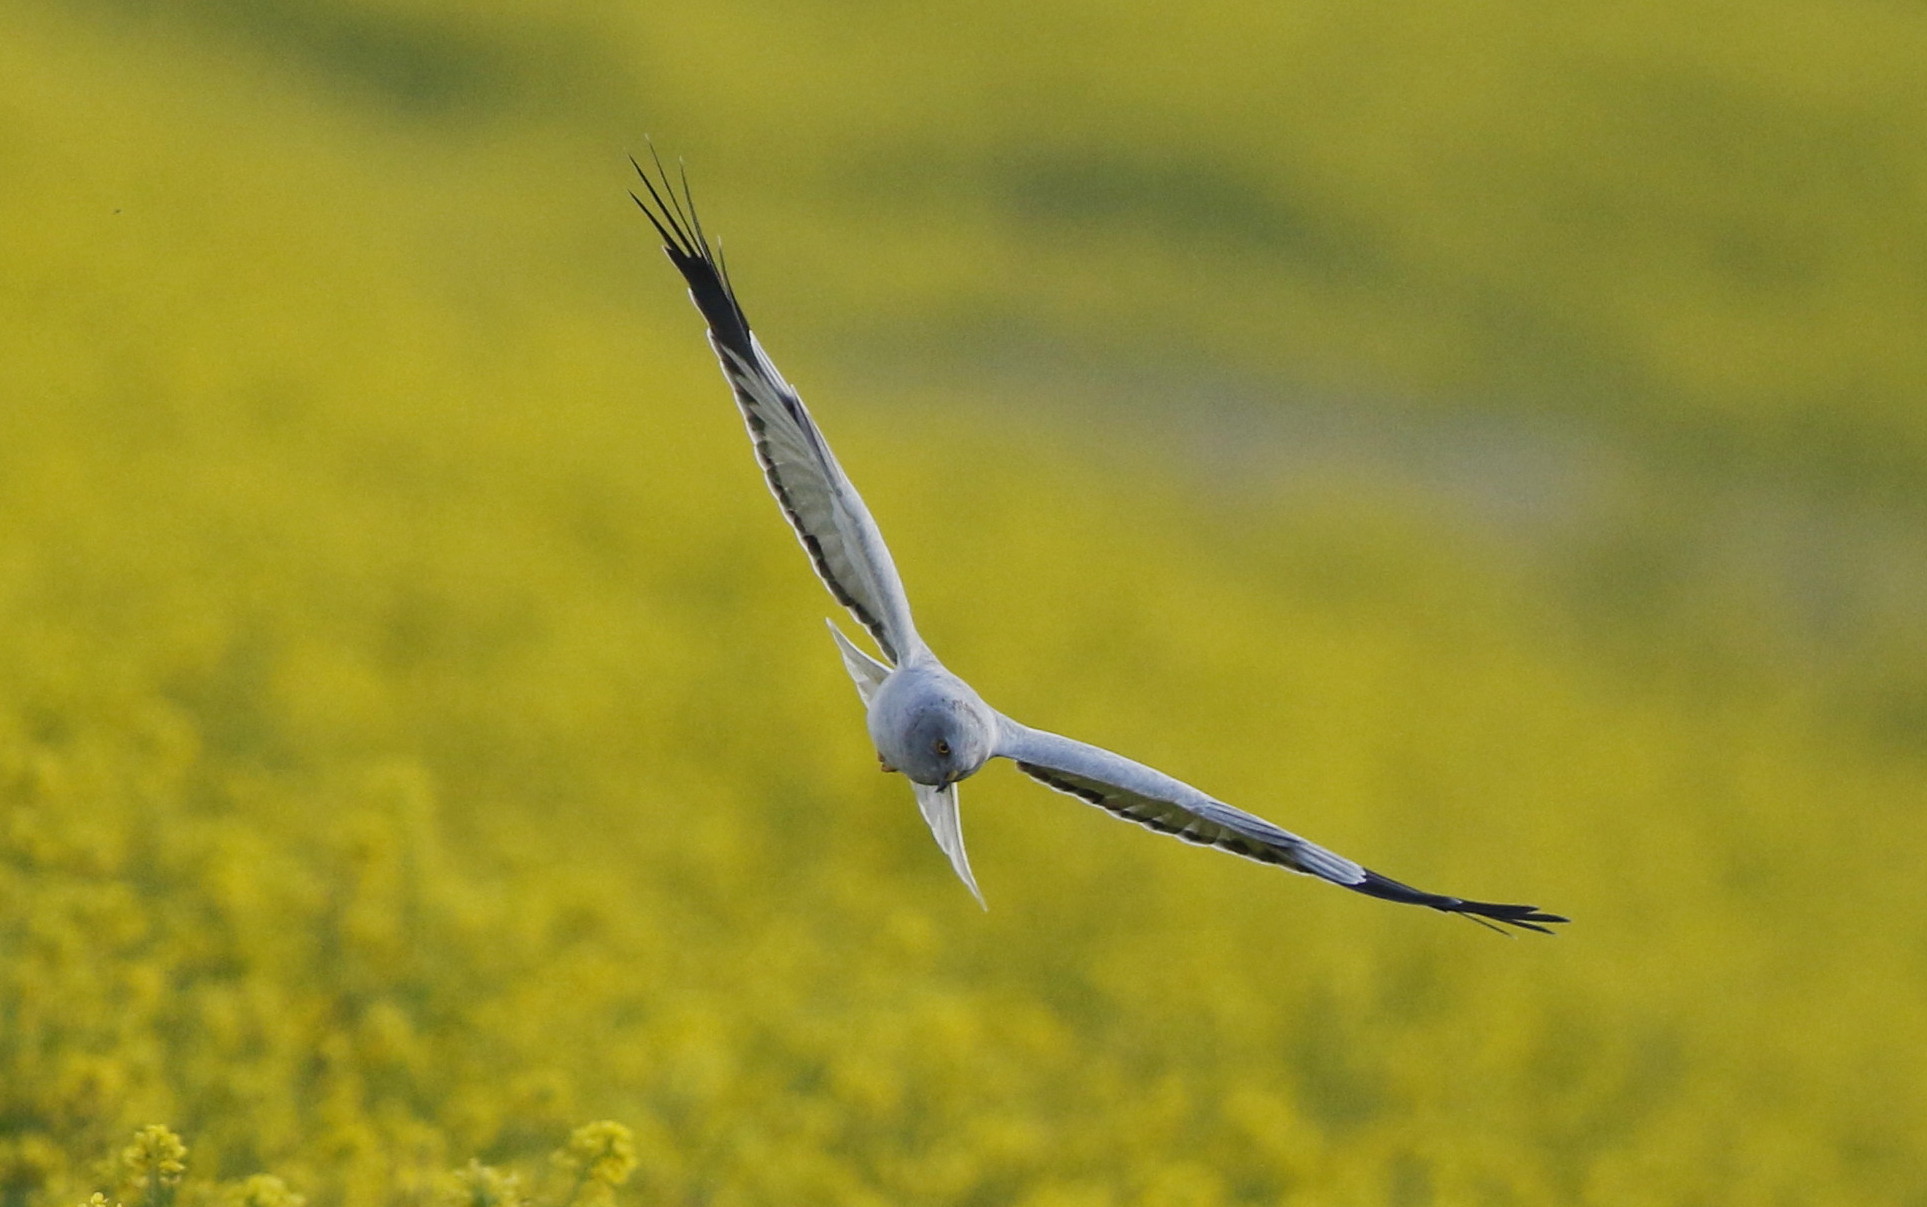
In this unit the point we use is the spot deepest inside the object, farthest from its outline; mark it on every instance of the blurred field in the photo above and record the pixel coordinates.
(418, 737)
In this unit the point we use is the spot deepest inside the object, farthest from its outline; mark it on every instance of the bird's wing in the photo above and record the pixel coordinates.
(1151, 798)
(824, 508)
(939, 807)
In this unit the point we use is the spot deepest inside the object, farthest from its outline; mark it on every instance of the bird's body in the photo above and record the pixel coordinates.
(925, 721)
(931, 725)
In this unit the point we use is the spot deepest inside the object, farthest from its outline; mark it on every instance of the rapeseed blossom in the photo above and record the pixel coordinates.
(601, 1156)
(152, 1166)
(417, 736)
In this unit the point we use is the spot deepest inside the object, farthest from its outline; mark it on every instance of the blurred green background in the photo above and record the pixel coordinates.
(1489, 438)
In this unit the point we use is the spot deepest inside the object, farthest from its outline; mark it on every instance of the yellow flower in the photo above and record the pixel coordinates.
(602, 1155)
(264, 1190)
(153, 1164)
(479, 1185)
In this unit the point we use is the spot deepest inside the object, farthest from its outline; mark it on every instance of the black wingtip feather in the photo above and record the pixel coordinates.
(1525, 917)
(688, 247)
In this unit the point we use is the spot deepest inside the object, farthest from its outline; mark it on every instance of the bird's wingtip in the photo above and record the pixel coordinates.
(1525, 917)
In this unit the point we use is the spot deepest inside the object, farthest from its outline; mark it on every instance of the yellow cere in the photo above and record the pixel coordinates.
(1486, 438)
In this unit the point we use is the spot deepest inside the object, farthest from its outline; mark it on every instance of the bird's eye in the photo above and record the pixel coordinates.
(943, 749)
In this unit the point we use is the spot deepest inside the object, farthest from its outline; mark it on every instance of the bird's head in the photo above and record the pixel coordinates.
(944, 743)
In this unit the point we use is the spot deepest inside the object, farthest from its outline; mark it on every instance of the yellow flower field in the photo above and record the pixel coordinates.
(425, 779)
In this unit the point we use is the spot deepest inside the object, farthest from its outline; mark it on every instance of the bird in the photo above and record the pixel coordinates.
(924, 721)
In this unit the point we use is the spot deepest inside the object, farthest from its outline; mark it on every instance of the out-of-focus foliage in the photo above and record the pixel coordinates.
(1695, 224)
(153, 1172)
(417, 734)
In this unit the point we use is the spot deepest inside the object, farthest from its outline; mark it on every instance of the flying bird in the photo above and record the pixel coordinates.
(926, 722)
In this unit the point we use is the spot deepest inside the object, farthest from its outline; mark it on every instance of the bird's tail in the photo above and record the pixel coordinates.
(865, 671)
(939, 806)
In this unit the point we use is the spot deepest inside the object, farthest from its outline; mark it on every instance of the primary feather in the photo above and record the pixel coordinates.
(816, 496)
